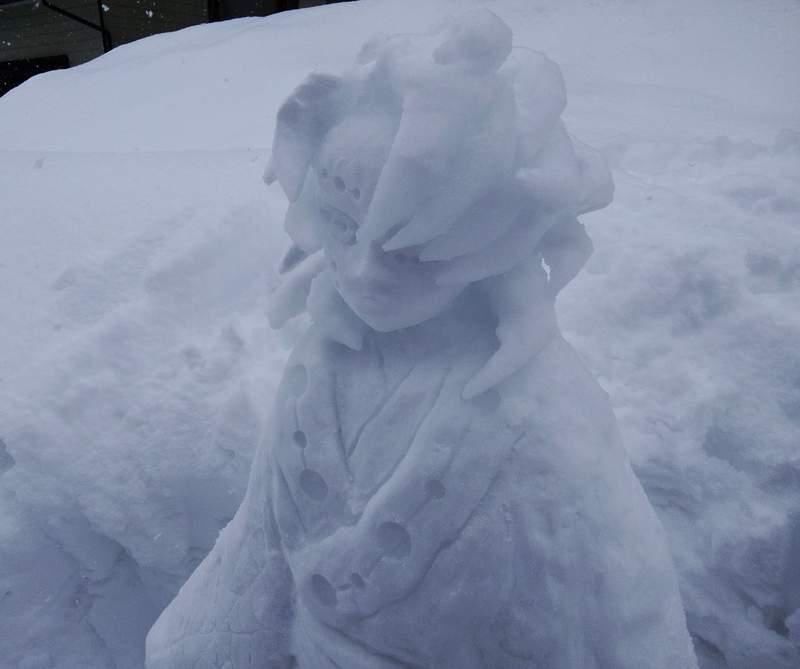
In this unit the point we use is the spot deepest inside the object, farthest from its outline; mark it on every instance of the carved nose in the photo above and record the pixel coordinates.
(367, 261)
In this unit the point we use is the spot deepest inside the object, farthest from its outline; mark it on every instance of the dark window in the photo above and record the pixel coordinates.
(231, 9)
(14, 72)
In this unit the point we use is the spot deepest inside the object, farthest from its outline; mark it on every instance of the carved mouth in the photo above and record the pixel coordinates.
(376, 291)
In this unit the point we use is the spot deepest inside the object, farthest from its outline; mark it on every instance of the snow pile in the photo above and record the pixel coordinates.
(131, 437)
(136, 366)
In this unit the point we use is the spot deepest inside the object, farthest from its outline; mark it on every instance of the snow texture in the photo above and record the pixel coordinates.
(136, 370)
(442, 483)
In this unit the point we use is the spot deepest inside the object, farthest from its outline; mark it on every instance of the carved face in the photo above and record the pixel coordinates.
(387, 290)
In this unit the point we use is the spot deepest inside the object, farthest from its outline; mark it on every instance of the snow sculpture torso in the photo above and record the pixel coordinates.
(442, 484)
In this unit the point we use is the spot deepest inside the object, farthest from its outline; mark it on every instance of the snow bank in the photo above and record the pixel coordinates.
(136, 366)
(131, 431)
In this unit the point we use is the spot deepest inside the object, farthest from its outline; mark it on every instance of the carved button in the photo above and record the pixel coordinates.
(313, 484)
(394, 540)
(435, 489)
(300, 438)
(323, 590)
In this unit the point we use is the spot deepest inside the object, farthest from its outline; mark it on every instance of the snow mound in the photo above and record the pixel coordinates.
(160, 361)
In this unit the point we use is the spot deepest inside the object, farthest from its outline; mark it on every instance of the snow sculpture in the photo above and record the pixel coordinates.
(443, 485)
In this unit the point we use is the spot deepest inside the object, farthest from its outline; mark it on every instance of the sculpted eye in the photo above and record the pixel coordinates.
(339, 226)
(409, 256)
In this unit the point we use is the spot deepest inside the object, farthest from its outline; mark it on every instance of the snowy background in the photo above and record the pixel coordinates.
(138, 244)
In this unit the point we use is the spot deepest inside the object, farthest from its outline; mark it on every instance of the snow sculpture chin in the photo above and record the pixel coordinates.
(442, 485)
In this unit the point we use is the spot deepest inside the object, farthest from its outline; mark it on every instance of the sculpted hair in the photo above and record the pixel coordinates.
(449, 143)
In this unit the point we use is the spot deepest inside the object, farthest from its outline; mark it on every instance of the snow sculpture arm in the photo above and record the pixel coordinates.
(231, 613)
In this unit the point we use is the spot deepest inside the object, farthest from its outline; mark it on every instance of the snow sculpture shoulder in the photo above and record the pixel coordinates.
(442, 485)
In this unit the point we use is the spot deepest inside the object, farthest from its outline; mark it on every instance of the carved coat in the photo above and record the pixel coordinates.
(391, 523)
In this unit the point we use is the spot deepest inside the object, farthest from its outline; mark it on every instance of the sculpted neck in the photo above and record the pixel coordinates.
(468, 318)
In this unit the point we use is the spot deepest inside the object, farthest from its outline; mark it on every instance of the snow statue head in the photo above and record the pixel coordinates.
(441, 483)
(438, 164)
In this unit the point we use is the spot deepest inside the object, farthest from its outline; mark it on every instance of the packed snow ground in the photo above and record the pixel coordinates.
(137, 368)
